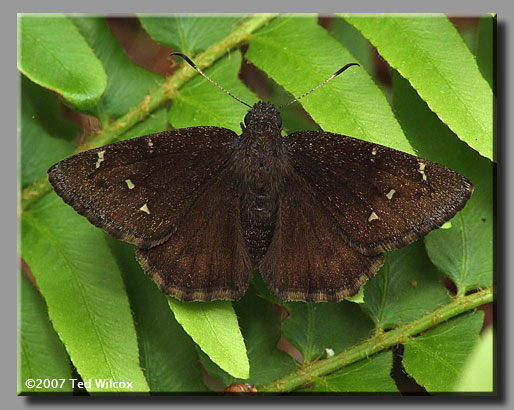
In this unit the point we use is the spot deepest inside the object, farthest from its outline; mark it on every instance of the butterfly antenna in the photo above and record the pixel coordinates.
(323, 83)
(190, 62)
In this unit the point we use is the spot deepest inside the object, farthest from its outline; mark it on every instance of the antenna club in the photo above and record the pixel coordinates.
(189, 61)
(344, 68)
(318, 86)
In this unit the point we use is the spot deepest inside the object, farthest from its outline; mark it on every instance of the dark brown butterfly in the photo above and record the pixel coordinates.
(314, 211)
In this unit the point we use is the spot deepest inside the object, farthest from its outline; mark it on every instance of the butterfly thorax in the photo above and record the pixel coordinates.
(261, 155)
(261, 162)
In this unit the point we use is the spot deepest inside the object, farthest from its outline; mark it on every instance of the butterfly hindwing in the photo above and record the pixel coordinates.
(381, 198)
(308, 259)
(205, 258)
(138, 190)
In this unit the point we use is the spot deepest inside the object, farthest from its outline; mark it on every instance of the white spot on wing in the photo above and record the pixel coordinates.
(390, 194)
(150, 144)
(129, 184)
(373, 152)
(144, 208)
(100, 158)
(421, 170)
(373, 216)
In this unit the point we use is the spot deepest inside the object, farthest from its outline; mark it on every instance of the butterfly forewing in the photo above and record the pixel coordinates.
(308, 258)
(138, 190)
(205, 258)
(381, 198)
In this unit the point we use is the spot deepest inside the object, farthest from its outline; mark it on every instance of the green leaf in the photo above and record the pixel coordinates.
(406, 287)
(48, 110)
(54, 55)
(465, 251)
(41, 353)
(355, 42)
(168, 355)
(261, 330)
(430, 53)
(188, 34)
(469, 36)
(84, 292)
(478, 374)
(261, 289)
(437, 358)
(127, 83)
(214, 328)
(461, 263)
(156, 122)
(358, 298)
(351, 104)
(371, 375)
(216, 373)
(360, 47)
(446, 225)
(485, 48)
(201, 103)
(39, 149)
(314, 327)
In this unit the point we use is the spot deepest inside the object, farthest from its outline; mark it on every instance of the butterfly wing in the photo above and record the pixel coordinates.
(308, 259)
(205, 258)
(381, 198)
(138, 190)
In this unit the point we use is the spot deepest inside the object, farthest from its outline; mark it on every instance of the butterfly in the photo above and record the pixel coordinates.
(314, 211)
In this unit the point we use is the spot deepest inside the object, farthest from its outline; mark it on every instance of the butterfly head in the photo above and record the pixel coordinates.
(263, 116)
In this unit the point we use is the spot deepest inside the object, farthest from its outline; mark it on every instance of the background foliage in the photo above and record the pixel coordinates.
(91, 310)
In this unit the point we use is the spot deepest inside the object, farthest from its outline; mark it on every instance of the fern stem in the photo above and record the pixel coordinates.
(399, 335)
(166, 91)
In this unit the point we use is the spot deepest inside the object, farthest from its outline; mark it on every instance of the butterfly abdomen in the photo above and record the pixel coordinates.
(260, 163)
(258, 218)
